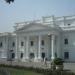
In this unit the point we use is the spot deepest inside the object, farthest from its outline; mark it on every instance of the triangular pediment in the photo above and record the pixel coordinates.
(33, 27)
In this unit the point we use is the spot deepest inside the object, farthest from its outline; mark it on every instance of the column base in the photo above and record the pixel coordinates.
(23, 60)
(16, 59)
(39, 59)
(26, 59)
(35, 59)
(52, 58)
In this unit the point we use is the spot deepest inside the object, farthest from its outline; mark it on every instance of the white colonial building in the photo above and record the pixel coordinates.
(35, 40)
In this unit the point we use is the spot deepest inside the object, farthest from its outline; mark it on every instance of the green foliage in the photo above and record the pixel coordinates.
(20, 70)
(58, 61)
(9, 1)
(4, 71)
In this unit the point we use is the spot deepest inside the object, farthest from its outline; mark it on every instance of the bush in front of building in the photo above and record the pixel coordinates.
(57, 63)
(40, 70)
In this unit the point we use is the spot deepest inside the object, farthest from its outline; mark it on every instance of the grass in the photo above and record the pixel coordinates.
(14, 71)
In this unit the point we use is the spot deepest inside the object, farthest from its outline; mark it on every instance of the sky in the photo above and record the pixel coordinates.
(26, 10)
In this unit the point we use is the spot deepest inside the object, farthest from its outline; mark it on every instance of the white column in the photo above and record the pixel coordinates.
(35, 59)
(16, 56)
(27, 47)
(52, 47)
(58, 47)
(39, 47)
(36, 50)
(24, 52)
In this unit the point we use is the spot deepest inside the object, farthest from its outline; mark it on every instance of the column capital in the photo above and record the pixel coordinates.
(53, 36)
(39, 36)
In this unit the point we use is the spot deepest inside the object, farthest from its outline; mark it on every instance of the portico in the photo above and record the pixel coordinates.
(38, 43)
(37, 47)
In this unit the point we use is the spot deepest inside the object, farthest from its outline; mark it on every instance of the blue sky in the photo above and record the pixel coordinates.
(23, 10)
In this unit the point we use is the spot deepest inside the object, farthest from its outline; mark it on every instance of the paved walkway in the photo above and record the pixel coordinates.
(69, 66)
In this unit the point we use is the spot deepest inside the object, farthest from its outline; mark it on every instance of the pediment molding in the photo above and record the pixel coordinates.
(33, 27)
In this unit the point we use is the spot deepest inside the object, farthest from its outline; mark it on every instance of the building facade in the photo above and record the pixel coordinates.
(36, 40)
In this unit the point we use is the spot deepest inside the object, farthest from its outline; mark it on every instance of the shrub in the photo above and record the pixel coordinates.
(38, 70)
(58, 61)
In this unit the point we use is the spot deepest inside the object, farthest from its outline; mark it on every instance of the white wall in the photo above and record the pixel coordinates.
(34, 49)
(71, 44)
(3, 49)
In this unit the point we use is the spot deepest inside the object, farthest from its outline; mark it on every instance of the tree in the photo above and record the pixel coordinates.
(9, 1)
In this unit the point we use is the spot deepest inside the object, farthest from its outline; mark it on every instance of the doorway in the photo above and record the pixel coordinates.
(43, 55)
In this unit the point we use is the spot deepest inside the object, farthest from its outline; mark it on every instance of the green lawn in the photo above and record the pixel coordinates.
(14, 71)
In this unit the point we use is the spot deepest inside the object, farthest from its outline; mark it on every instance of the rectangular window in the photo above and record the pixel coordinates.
(22, 43)
(21, 55)
(69, 24)
(32, 55)
(13, 55)
(42, 42)
(32, 43)
(66, 41)
(66, 55)
(13, 44)
(43, 55)
(1, 44)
